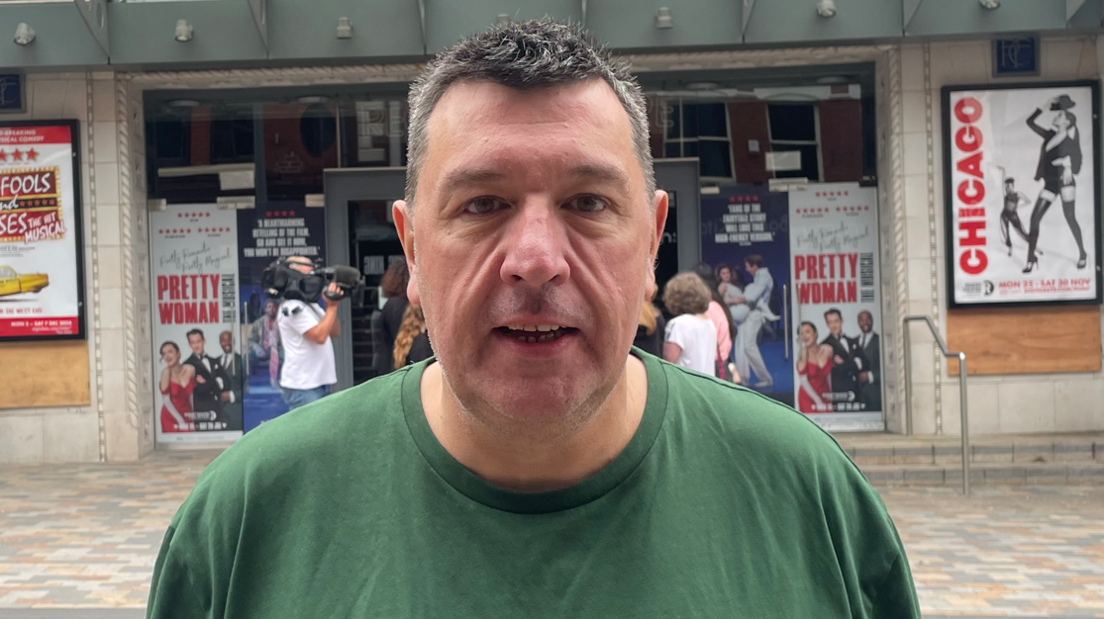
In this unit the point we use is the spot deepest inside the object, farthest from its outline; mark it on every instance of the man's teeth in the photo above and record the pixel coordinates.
(540, 333)
(541, 328)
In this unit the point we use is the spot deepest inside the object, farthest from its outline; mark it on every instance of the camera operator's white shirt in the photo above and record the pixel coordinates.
(306, 365)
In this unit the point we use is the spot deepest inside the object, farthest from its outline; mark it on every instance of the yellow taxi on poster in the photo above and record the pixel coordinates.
(14, 283)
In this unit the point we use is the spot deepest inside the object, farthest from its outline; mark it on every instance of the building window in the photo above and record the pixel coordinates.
(700, 130)
(795, 127)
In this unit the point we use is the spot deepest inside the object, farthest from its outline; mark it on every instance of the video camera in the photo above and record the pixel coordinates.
(281, 281)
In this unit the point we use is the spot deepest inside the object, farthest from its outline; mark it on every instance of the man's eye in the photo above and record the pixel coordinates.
(483, 205)
(588, 204)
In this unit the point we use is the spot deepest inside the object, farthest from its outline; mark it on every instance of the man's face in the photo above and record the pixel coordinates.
(750, 268)
(866, 321)
(531, 211)
(226, 341)
(196, 343)
(835, 323)
(270, 310)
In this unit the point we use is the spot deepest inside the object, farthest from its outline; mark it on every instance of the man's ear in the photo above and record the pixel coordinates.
(404, 225)
(659, 215)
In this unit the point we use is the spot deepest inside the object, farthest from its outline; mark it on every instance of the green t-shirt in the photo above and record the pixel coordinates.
(723, 504)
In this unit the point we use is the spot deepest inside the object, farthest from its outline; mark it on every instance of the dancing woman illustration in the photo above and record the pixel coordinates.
(1059, 161)
(1013, 200)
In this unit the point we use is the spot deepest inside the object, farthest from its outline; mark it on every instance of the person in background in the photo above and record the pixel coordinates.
(393, 286)
(722, 320)
(691, 337)
(309, 366)
(651, 329)
(412, 340)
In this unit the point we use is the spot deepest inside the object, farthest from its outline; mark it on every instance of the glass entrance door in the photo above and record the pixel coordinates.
(361, 233)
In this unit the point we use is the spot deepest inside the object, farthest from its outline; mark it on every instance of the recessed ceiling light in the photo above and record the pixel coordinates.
(183, 103)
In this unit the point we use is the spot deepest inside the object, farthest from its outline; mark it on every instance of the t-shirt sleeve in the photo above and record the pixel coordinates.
(677, 333)
(172, 593)
(302, 321)
(896, 596)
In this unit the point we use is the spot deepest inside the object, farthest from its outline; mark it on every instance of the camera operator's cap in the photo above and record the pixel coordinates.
(1063, 103)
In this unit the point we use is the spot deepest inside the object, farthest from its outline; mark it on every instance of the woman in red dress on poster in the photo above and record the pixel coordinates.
(814, 365)
(177, 383)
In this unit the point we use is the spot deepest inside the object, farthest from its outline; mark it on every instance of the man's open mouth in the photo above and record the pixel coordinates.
(536, 334)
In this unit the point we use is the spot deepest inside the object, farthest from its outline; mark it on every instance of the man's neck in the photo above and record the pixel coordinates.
(543, 466)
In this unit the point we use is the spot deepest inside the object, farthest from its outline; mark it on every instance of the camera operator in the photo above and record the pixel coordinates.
(309, 368)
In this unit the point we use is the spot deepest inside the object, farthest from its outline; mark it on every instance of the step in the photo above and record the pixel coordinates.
(885, 449)
(987, 474)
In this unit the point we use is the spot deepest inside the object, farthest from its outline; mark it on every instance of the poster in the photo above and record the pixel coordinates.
(745, 230)
(1021, 194)
(197, 358)
(270, 231)
(41, 272)
(837, 319)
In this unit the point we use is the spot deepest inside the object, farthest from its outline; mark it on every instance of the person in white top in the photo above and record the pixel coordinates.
(691, 338)
(305, 331)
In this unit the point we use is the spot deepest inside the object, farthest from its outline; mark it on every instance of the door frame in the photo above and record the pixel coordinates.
(681, 176)
(340, 186)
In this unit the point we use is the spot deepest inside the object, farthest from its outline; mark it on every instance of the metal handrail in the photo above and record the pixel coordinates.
(963, 407)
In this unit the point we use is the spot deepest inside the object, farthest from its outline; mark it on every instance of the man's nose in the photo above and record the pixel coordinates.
(535, 242)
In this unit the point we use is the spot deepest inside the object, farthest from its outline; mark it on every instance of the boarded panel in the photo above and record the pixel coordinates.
(1026, 341)
(44, 374)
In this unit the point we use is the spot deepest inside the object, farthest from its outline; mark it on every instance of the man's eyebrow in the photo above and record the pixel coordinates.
(601, 173)
(468, 177)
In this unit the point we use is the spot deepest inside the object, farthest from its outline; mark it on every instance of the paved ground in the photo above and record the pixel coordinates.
(79, 541)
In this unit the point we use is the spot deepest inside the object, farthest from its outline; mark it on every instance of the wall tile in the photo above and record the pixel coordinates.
(114, 384)
(71, 437)
(917, 237)
(1061, 59)
(1079, 405)
(916, 154)
(20, 439)
(76, 100)
(913, 107)
(122, 437)
(107, 181)
(112, 348)
(103, 100)
(984, 408)
(49, 101)
(111, 308)
(942, 66)
(919, 279)
(111, 267)
(971, 63)
(107, 224)
(1026, 406)
(923, 408)
(105, 134)
(912, 67)
(916, 195)
(1088, 67)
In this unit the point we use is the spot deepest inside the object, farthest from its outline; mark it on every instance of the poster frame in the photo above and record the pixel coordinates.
(78, 225)
(948, 192)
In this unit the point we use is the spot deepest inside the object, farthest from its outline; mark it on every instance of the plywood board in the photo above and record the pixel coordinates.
(1026, 340)
(44, 374)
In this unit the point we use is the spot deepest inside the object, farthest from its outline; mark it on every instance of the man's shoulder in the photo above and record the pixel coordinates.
(305, 443)
(736, 417)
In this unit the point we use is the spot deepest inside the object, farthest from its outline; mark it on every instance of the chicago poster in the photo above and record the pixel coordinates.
(1021, 187)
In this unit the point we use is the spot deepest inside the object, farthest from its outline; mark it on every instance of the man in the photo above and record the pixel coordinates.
(264, 342)
(848, 361)
(870, 390)
(757, 296)
(305, 332)
(535, 467)
(210, 379)
(231, 363)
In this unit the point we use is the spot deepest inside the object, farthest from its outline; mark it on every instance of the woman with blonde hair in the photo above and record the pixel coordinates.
(412, 340)
(691, 338)
(650, 330)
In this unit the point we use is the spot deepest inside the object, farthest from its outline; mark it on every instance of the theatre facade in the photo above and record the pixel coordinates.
(858, 156)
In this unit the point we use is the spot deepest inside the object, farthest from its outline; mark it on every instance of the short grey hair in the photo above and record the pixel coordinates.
(524, 55)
